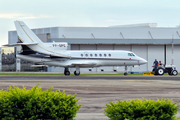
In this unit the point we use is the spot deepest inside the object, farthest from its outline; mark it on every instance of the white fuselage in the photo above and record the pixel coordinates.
(89, 58)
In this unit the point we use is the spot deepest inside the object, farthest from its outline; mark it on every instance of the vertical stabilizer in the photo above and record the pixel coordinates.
(25, 34)
(29, 38)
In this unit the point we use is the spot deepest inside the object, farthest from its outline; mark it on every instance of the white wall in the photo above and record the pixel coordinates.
(122, 47)
(87, 47)
(175, 55)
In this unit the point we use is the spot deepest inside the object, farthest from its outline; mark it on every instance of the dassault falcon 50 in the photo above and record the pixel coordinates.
(56, 53)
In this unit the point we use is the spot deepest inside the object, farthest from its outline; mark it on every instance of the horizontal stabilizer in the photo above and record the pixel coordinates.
(17, 44)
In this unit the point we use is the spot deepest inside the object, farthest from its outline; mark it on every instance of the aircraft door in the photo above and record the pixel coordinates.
(86, 54)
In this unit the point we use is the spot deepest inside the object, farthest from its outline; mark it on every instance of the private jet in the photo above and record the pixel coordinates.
(56, 53)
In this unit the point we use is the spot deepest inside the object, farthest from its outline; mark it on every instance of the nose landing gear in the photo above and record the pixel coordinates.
(76, 74)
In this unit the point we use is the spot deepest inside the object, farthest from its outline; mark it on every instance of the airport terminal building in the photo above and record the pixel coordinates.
(145, 40)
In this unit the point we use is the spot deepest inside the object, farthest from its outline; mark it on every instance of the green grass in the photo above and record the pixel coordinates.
(27, 73)
(61, 74)
(44, 73)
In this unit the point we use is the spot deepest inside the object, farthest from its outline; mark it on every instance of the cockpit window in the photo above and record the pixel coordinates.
(131, 54)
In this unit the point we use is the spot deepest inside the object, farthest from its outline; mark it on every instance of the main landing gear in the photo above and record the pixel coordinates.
(76, 72)
(66, 72)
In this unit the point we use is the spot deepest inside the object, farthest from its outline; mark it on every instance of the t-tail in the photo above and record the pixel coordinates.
(29, 39)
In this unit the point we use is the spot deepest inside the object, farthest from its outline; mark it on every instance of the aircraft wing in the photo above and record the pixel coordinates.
(83, 64)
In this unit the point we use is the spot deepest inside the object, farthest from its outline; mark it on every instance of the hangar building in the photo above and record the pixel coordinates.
(145, 40)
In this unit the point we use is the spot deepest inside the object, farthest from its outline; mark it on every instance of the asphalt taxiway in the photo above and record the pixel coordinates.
(96, 91)
(91, 77)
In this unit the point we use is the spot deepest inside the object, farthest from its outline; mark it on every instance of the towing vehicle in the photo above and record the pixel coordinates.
(161, 69)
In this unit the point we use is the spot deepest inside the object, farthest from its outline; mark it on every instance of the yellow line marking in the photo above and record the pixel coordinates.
(141, 81)
(175, 83)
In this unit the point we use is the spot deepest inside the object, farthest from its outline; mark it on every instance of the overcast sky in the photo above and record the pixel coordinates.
(51, 13)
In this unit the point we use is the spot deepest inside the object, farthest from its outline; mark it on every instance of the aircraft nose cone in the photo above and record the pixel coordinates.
(143, 61)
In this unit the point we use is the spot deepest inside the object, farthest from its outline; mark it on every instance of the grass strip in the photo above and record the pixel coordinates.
(62, 74)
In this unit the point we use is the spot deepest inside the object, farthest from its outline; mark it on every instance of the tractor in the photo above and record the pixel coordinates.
(160, 70)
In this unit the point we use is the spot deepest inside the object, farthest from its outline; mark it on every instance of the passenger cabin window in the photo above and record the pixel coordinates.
(95, 55)
(100, 55)
(81, 55)
(104, 55)
(91, 55)
(109, 55)
(86, 55)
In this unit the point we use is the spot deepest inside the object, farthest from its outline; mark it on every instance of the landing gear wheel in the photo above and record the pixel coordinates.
(125, 73)
(174, 72)
(160, 71)
(67, 73)
(76, 74)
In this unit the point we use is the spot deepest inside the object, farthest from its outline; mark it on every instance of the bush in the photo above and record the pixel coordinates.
(22, 104)
(162, 109)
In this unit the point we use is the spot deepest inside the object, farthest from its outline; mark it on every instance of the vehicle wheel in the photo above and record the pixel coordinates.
(174, 72)
(169, 72)
(67, 73)
(160, 71)
(125, 73)
(77, 74)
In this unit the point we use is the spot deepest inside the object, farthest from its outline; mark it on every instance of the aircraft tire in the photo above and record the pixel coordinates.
(174, 72)
(125, 73)
(67, 73)
(76, 74)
